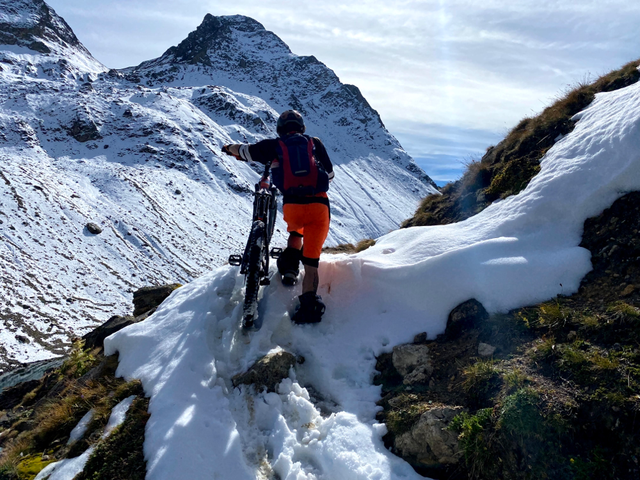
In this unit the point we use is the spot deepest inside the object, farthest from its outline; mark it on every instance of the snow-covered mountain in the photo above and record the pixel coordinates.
(138, 153)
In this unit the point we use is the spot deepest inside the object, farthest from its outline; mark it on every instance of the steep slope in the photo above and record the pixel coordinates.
(108, 184)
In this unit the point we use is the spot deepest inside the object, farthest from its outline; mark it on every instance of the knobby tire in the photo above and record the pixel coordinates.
(254, 270)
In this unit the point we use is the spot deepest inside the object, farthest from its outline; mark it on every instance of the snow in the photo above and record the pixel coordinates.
(118, 414)
(321, 422)
(65, 469)
(68, 468)
(81, 428)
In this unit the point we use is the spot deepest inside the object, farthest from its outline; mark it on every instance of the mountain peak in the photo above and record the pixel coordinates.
(34, 25)
(217, 33)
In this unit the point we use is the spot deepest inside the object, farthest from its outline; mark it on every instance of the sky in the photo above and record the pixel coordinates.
(448, 77)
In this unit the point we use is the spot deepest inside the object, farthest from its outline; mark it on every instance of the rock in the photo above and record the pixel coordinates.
(22, 339)
(84, 130)
(12, 396)
(485, 350)
(420, 338)
(413, 363)
(429, 442)
(267, 372)
(629, 289)
(96, 337)
(93, 228)
(149, 298)
(465, 316)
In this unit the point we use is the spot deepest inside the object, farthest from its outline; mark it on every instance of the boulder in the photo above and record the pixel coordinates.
(429, 442)
(96, 337)
(93, 228)
(146, 299)
(267, 372)
(413, 363)
(465, 316)
(485, 350)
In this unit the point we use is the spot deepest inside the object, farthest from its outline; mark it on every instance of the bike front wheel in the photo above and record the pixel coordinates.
(257, 251)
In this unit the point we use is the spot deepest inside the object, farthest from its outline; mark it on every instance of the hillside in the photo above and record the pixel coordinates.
(507, 168)
(113, 180)
(503, 346)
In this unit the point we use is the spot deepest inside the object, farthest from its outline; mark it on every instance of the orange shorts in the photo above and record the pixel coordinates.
(312, 222)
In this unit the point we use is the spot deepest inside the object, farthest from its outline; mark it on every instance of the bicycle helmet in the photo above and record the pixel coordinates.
(290, 121)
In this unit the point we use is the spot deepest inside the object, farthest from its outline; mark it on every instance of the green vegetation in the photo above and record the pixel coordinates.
(86, 381)
(120, 456)
(80, 361)
(406, 411)
(507, 168)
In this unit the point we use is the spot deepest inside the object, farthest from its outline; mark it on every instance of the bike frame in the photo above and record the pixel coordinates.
(265, 209)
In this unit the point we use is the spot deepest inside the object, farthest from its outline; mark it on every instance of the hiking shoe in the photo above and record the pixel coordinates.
(310, 310)
(289, 265)
(289, 279)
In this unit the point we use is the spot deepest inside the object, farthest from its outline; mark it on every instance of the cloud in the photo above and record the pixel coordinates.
(476, 66)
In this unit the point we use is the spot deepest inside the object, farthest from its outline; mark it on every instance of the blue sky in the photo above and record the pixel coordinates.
(448, 77)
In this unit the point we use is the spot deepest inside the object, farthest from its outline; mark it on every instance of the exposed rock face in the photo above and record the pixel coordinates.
(267, 372)
(96, 337)
(467, 315)
(413, 363)
(429, 441)
(33, 22)
(146, 299)
(239, 49)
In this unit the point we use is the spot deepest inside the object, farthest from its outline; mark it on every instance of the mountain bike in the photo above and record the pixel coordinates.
(254, 262)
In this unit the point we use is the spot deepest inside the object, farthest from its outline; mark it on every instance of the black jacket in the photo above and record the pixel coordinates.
(265, 152)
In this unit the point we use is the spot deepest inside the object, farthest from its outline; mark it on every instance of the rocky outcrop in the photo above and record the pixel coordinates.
(96, 337)
(268, 372)
(35, 26)
(429, 442)
(413, 363)
(147, 299)
(465, 316)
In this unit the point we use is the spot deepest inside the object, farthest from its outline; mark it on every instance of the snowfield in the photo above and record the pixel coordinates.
(321, 423)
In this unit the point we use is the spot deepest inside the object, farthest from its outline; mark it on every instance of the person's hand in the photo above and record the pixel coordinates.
(265, 183)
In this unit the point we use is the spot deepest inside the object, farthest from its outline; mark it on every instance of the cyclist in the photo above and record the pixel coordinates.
(306, 209)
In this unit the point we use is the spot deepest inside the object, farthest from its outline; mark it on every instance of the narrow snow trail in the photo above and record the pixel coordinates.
(519, 251)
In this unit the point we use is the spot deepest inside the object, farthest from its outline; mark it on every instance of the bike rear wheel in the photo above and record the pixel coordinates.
(257, 251)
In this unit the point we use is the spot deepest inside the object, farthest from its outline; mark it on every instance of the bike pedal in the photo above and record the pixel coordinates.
(265, 281)
(275, 252)
(235, 260)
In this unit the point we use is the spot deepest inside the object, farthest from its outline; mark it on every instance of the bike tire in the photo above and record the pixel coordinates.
(253, 275)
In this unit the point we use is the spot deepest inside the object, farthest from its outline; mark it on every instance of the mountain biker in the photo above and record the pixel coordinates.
(306, 213)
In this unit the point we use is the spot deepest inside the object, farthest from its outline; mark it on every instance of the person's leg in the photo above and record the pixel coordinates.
(289, 261)
(311, 279)
(295, 241)
(316, 228)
